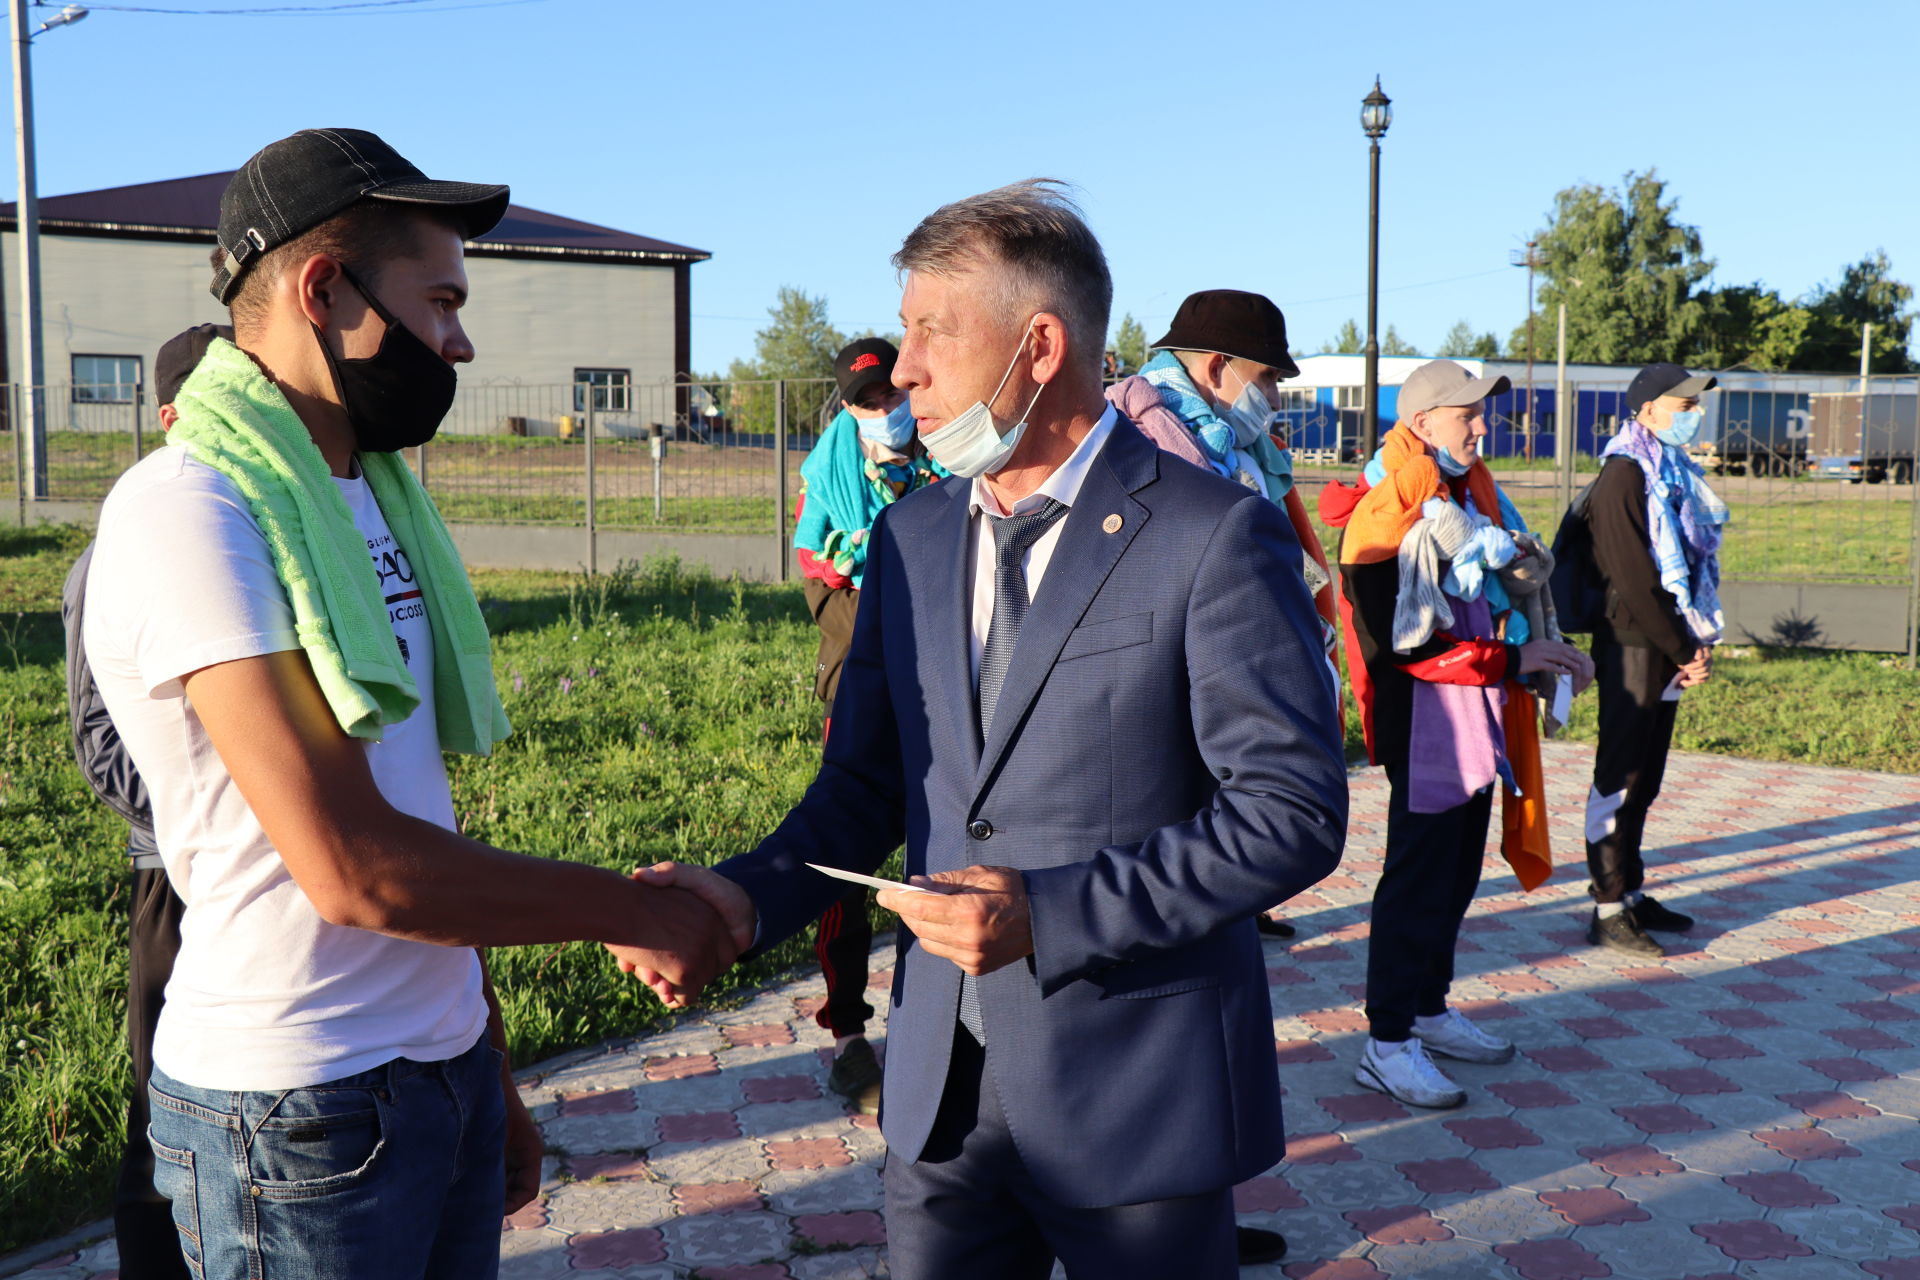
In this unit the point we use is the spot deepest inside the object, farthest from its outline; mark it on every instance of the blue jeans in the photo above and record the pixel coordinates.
(396, 1173)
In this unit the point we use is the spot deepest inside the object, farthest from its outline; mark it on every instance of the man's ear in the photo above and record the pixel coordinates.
(319, 283)
(1217, 366)
(1050, 346)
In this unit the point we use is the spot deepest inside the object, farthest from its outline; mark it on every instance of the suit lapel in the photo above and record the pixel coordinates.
(946, 622)
(1081, 561)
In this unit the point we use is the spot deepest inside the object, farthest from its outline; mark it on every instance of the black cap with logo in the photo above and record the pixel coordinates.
(297, 183)
(1664, 379)
(180, 355)
(1232, 322)
(862, 365)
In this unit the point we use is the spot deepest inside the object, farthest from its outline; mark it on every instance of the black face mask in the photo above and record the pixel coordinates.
(396, 397)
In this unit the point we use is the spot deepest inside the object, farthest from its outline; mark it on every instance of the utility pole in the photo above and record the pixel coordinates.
(32, 371)
(32, 374)
(1528, 259)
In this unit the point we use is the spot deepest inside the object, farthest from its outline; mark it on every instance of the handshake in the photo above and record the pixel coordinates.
(697, 923)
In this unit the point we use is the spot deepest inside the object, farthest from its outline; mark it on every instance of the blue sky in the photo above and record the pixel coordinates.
(1215, 144)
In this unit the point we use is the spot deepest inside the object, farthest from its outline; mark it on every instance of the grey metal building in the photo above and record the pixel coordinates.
(556, 301)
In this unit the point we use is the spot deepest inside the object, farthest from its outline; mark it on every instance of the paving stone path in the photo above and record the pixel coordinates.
(1749, 1107)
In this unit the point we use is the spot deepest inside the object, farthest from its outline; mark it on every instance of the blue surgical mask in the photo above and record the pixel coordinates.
(1248, 415)
(892, 431)
(1450, 464)
(1682, 427)
(971, 444)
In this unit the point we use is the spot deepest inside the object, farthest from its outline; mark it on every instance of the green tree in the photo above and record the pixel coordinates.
(1347, 342)
(1866, 294)
(799, 342)
(1627, 269)
(1462, 342)
(1129, 343)
(1395, 345)
(1750, 325)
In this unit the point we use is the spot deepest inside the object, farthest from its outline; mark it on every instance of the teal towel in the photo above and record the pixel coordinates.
(236, 421)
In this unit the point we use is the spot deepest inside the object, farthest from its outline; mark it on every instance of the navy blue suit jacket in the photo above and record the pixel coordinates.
(1165, 763)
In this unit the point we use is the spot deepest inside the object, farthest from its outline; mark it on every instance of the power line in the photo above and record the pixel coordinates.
(343, 8)
(1402, 288)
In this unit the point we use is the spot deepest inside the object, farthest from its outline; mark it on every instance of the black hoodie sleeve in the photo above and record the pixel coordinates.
(1623, 553)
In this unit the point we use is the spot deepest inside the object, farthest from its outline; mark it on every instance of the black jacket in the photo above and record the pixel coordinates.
(1639, 610)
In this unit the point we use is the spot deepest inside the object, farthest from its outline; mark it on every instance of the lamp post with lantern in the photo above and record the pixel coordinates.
(1376, 113)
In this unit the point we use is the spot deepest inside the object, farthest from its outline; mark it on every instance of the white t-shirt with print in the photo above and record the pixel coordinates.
(265, 994)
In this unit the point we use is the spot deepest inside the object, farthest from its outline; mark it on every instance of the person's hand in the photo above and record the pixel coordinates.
(525, 1150)
(675, 982)
(1558, 657)
(679, 944)
(976, 918)
(1699, 671)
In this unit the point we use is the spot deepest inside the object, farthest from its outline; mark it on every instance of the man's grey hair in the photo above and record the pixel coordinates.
(1033, 242)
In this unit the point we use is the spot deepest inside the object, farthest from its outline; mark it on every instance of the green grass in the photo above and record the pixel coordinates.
(1800, 533)
(657, 713)
(688, 728)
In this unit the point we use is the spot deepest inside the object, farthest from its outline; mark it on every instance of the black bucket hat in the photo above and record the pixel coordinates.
(292, 186)
(1231, 322)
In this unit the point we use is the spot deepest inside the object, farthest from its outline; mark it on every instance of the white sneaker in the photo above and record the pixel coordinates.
(1409, 1076)
(1457, 1037)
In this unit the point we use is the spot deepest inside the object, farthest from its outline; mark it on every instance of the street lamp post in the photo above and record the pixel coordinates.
(1376, 113)
(31, 376)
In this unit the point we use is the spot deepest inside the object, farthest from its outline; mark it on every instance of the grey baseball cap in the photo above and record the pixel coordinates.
(1442, 383)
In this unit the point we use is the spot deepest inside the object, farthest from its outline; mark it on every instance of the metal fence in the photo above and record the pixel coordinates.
(687, 457)
(1821, 486)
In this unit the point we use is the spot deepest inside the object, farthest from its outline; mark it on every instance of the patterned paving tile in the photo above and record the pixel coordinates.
(1744, 1106)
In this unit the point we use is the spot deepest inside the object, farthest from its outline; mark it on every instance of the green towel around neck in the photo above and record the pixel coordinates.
(235, 420)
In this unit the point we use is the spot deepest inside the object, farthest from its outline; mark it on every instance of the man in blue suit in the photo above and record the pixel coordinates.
(1086, 688)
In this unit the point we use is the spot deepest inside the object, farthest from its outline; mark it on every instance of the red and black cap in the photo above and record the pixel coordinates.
(293, 185)
(180, 355)
(1232, 322)
(862, 365)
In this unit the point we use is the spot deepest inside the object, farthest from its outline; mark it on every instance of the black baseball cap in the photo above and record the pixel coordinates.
(1231, 322)
(862, 365)
(180, 355)
(293, 185)
(1665, 379)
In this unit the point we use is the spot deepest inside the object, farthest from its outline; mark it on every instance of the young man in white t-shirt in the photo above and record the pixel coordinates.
(330, 1095)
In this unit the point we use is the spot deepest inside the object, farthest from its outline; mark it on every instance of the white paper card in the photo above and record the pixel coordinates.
(1673, 690)
(1563, 699)
(872, 882)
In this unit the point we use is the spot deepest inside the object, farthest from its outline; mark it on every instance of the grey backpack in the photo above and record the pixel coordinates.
(97, 748)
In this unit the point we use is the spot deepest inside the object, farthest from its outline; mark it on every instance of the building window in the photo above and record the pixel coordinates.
(106, 379)
(612, 389)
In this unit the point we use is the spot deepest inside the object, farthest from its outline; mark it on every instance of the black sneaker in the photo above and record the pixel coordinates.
(1649, 914)
(1272, 928)
(1623, 933)
(1257, 1246)
(856, 1077)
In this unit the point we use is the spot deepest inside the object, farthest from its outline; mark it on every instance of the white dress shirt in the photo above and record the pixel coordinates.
(1063, 486)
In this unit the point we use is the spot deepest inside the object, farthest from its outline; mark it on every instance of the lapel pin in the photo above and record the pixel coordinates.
(1112, 523)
